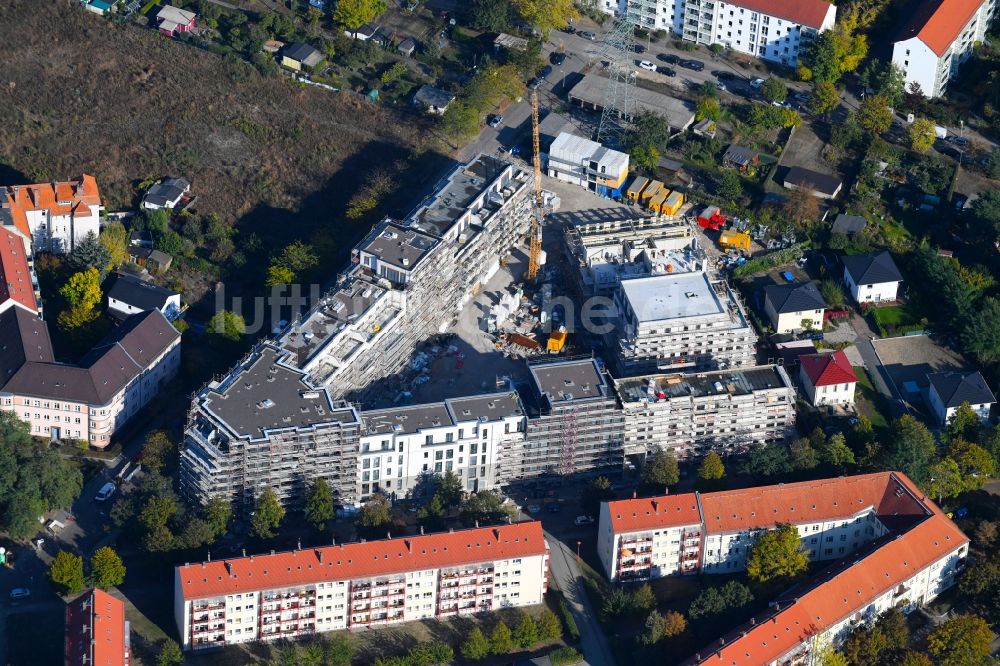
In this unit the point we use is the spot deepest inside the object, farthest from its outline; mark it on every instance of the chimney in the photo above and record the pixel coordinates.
(421, 530)
(451, 530)
(477, 524)
(634, 494)
(245, 553)
(753, 621)
(388, 535)
(210, 555)
(333, 541)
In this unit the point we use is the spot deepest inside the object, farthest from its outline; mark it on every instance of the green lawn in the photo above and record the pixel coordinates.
(868, 399)
(894, 315)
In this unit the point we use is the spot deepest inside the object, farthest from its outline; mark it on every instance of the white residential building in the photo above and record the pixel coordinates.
(828, 379)
(794, 307)
(54, 216)
(360, 585)
(774, 30)
(947, 391)
(586, 163)
(938, 38)
(872, 278)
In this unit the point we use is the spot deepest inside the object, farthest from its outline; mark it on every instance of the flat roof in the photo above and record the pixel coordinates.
(568, 380)
(406, 420)
(593, 88)
(450, 202)
(664, 297)
(263, 395)
(400, 246)
(662, 388)
(492, 407)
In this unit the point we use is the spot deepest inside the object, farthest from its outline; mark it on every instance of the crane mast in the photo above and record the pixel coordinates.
(535, 232)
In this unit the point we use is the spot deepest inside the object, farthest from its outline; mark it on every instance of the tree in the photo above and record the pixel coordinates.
(155, 450)
(525, 633)
(986, 533)
(981, 334)
(196, 533)
(352, 14)
(975, 463)
(227, 325)
(729, 185)
(546, 14)
(910, 448)
(777, 554)
(661, 469)
(719, 600)
(646, 157)
(767, 460)
(835, 52)
(106, 568)
(490, 15)
(597, 491)
(298, 257)
(475, 646)
(921, 135)
(267, 515)
(66, 571)
(89, 253)
(450, 489)
(773, 90)
(485, 507)
(803, 456)
(319, 503)
(874, 114)
(157, 511)
(711, 468)
(170, 654)
(890, 83)
(709, 108)
(945, 479)
(653, 630)
(340, 649)
(674, 624)
(835, 452)
(460, 120)
(802, 207)
(159, 539)
(375, 516)
(964, 424)
(912, 658)
(501, 641)
(83, 289)
(548, 626)
(114, 238)
(642, 599)
(824, 99)
(832, 293)
(964, 640)
(980, 585)
(279, 275)
(218, 513)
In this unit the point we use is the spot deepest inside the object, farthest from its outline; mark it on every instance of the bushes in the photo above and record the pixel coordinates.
(571, 631)
(527, 633)
(564, 655)
(771, 260)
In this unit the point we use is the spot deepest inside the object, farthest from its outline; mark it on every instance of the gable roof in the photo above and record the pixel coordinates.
(828, 369)
(431, 96)
(938, 23)
(875, 268)
(96, 631)
(168, 190)
(303, 53)
(810, 13)
(740, 155)
(138, 293)
(78, 196)
(15, 274)
(175, 15)
(361, 560)
(814, 180)
(849, 224)
(633, 515)
(24, 338)
(786, 298)
(954, 388)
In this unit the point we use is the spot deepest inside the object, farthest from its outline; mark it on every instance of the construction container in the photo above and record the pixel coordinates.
(672, 204)
(636, 188)
(734, 240)
(651, 190)
(557, 341)
(656, 203)
(711, 218)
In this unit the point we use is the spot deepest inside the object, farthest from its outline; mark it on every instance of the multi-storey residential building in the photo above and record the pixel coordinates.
(690, 414)
(609, 251)
(359, 585)
(18, 282)
(91, 400)
(774, 30)
(402, 445)
(681, 322)
(97, 633)
(53, 217)
(588, 164)
(266, 426)
(938, 39)
(574, 423)
(903, 552)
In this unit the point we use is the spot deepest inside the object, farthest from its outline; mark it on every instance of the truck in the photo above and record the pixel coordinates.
(711, 218)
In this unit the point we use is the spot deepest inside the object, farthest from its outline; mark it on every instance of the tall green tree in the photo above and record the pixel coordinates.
(597, 491)
(218, 513)
(490, 15)
(319, 503)
(156, 449)
(981, 334)
(964, 424)
(227, 325)
(548, 626)
(475, 646)
(340, 649)
(824, 98)
(835, 452)
(921, 135)
(777, 554)
(546, 14)
(450, 489)
(802, 455)
(711, 468)
(729, 186)
(911, 448)
(487, 508)
(501, 640)
(352, 14)
(66, 571)
(526, 632)
(106, 568)
(170, 654)
(874, 114)
(267, 515)
(964, 640)
(661, 469)
(89, 253)
(375, 517)
(767, 460)
(945, 479)
(774, 90)
(115, 238)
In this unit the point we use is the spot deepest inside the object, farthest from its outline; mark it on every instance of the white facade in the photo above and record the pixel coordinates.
(170, 309)
(789, 322)
(871, 293)
(586, 163)
(931, 53)
(486, 569)
(831, 394)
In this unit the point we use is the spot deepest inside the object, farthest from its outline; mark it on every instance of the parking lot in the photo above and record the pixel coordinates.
(904, 363)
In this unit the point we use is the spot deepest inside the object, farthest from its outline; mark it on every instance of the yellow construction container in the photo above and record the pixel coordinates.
(651, 190)
(656, 203)
(734, 240)
(636, 188)
(557, 340)
(672, 204)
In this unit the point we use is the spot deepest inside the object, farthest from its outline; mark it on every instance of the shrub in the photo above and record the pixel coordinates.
(564, 655)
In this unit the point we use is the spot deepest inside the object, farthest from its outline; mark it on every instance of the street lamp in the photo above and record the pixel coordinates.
(578, 550)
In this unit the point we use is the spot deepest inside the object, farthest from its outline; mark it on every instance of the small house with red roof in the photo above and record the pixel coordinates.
(937, 39)
(828, 379)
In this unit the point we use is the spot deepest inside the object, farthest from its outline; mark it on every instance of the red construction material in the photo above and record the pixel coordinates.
(711, 218)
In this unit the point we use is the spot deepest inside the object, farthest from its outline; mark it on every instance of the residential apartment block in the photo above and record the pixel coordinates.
(774, 30)
(97, 633)
(683, 322)
(359, 585)
(903, 551)
(691, 414)
(586, 163)
(52, 217)
(938, 38)
(18, 282)
(91, 400)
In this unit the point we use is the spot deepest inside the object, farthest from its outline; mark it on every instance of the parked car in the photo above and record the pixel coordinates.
(586, 34)
(583, 520)
(545, 72)
(723, 75)
(569, 30)
(959, 140)
(534, 508)
(666, 71)
(557, 58)
(106, 491)
(721, 86)
(638, 48)
(20, 593)
(646, 65)
(668, 58)
(694, 65)
(756, 84)
(496, 120)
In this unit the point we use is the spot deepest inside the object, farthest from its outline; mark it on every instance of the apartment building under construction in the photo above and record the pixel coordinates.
(690, 414)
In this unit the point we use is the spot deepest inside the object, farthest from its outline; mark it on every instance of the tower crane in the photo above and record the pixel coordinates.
(535, 232)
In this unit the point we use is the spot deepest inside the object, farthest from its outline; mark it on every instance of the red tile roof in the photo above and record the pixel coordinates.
(650, 513)
(361, 560)
(828, 369)
(59, 197)
(938, 23)
(96, 631)
(846, 592)
(15, 275)
(809, 13)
